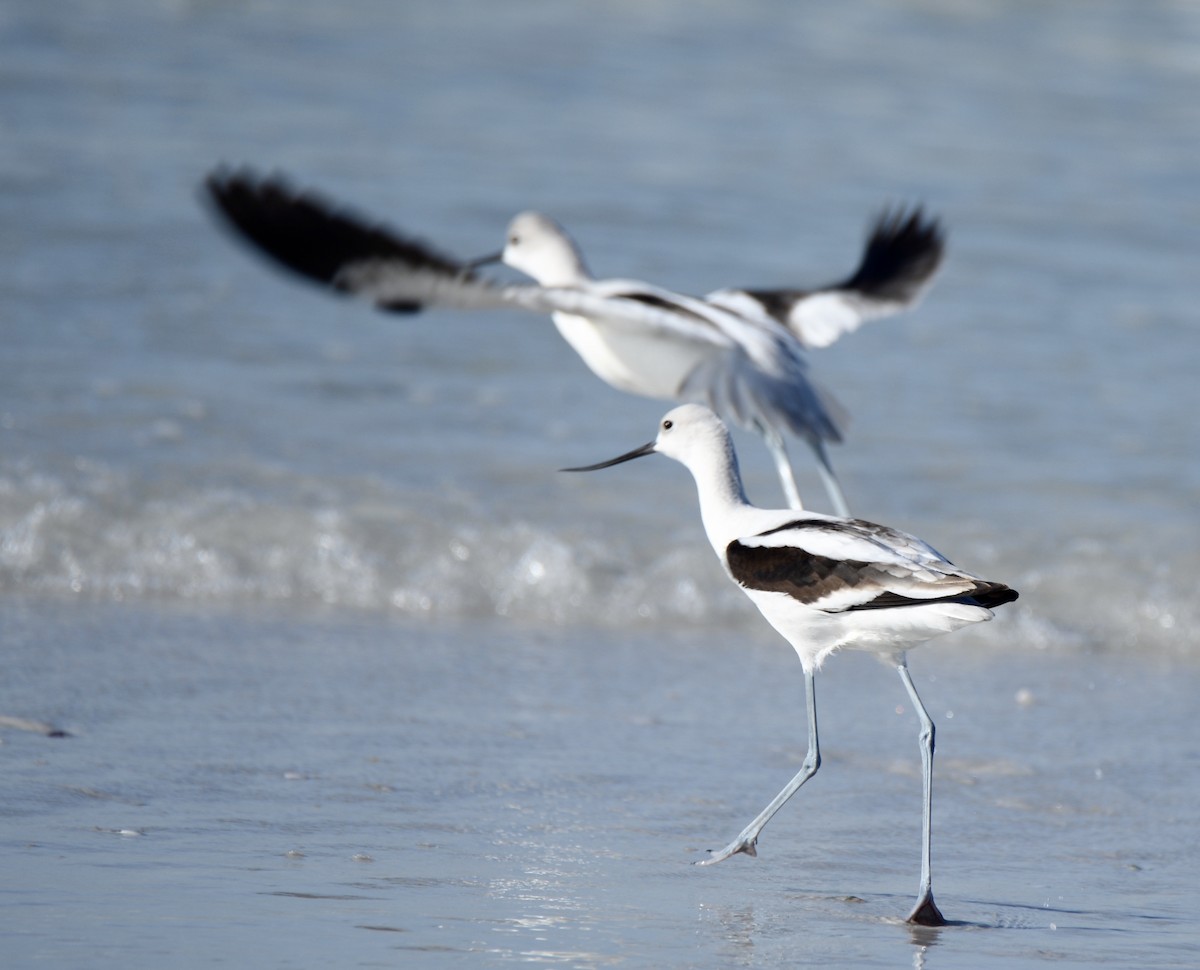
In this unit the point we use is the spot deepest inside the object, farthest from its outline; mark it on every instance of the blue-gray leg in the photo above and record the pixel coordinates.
(925, 912)
(748, 839)
(832, 486)
(787, 477)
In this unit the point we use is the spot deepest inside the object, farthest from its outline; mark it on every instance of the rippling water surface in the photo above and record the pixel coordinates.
(193, 446)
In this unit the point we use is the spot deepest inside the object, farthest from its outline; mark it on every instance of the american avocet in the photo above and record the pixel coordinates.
(741, 351)
(826, 584)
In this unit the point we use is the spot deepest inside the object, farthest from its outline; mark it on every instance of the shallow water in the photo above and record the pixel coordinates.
(320, 791)
(248, 531)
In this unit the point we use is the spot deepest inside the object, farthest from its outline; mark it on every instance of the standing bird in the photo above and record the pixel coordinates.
(741, 351)
(825, 584)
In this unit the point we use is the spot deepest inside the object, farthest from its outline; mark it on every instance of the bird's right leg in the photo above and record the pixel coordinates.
(925, 912)
(832, 486)
(748, 839)
(787, 477)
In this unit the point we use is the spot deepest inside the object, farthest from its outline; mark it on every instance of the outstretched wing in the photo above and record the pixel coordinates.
(901, 256)
(331, 245)
(313, 236)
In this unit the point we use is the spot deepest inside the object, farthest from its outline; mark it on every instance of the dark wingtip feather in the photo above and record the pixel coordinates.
(904, 250)
(309, 234)
(991, 595)
(987, 594)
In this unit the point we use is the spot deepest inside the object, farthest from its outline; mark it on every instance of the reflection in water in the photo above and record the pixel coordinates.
(738, 929)
(744, 936)
(551, 912)
(923, 938)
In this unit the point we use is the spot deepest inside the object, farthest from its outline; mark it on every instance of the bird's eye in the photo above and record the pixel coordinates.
(667, 425)
(514, 240)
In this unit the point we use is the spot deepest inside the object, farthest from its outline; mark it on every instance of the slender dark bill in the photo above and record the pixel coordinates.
(472, 264)
(646, 449)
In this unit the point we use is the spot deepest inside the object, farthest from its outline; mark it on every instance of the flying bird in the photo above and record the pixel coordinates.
(740, 351)
(825, 584)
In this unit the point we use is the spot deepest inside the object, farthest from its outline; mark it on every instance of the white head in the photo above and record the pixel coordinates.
(541, 248)
(690, 431)
(691, 434)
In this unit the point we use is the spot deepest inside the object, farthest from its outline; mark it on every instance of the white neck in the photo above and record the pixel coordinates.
(562, 267)
(722, 497)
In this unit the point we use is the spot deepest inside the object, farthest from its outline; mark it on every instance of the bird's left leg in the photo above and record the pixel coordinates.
(925, 911)
(748, 839)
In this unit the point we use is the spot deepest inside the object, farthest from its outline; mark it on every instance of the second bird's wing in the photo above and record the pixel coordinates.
(898, 263)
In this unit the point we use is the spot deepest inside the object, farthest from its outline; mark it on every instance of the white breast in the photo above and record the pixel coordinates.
(637, 362)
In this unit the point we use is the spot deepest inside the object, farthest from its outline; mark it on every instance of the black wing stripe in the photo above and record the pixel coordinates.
(661, 303)
(797, 524)
(803, 576)
(985, 594)
(778, 303)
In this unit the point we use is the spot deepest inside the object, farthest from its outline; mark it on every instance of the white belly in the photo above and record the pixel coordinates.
(816, 635)
(636, 362)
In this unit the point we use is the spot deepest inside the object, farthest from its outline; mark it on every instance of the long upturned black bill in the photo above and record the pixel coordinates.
(483, 261)
(646, 449)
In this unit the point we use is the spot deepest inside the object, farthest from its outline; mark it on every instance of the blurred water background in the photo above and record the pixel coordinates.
(185, 433)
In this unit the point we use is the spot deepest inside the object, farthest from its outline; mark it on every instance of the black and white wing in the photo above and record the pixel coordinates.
(328, 244)
(314, 237)
(898, 263)
(842, 565)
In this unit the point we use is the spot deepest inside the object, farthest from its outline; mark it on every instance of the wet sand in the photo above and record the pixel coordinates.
(341, 790)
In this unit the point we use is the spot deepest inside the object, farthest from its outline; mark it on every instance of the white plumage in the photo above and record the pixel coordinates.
(741, 351)
(825, 584)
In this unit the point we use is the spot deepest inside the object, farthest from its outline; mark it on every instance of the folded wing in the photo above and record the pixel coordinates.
(839, 565)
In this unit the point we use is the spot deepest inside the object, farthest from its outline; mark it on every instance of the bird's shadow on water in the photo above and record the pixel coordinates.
(1007, 916)
(1004, 916)
(1026, 916)
(1013, 916)
(748, 928)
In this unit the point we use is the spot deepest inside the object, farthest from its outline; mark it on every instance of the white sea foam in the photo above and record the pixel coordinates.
(102, 537)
